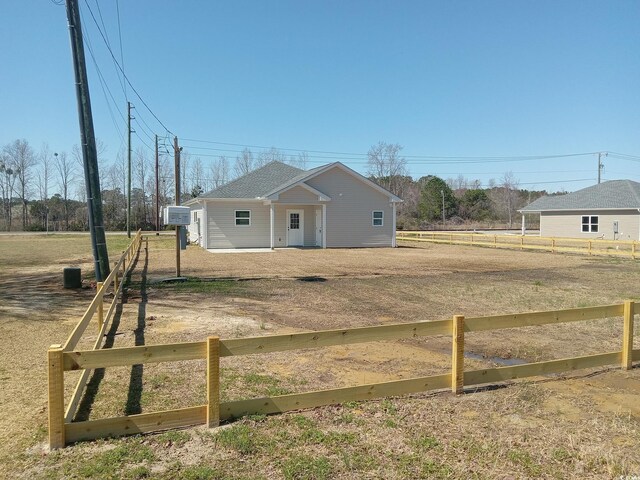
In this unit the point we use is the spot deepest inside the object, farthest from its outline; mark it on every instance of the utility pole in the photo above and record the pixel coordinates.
(442, 193)
(600, 165)
(129, 170)
(88, 141)
(157, 191)
(176, 151)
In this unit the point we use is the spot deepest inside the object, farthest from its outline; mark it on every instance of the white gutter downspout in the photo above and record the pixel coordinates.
(205, 225)
(272, 216)
(393, 233)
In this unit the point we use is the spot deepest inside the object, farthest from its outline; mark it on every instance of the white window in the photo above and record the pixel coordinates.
(589, 223)
(377, 218)
(195, 217)
(243, 218)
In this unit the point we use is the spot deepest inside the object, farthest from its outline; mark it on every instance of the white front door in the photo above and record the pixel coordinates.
(318, 227)
(295, 228)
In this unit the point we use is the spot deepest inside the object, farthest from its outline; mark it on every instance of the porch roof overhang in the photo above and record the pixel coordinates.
(321, 196)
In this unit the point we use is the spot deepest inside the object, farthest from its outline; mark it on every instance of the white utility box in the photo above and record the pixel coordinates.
(174, 215)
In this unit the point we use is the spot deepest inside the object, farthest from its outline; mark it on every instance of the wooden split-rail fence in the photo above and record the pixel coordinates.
(62, 430)
(585, 246)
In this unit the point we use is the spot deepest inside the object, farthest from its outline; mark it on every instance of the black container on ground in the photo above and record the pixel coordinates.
(72, 277)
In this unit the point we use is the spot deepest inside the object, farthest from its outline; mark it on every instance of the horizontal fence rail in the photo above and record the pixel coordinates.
(213, 349)
(525, 242)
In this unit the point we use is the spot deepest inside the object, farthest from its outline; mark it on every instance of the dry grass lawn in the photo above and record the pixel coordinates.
(582, 425)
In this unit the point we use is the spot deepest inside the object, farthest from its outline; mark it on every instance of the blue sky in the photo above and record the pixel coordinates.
(447, 79)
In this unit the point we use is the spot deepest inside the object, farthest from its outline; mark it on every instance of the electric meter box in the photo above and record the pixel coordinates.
(174, 215)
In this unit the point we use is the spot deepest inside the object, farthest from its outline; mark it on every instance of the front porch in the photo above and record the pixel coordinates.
(297, 225)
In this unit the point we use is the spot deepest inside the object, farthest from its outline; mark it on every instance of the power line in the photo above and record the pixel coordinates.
(354, 154)
(113, 57)
(121, 53)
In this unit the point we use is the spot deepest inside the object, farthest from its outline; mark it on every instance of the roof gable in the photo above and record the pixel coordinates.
(610, 195)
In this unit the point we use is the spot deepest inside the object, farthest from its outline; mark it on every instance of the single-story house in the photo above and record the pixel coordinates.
(279, 205)
(609, 210)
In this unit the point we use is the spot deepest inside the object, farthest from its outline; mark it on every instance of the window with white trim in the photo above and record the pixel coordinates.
(589, 223)
(377, 218)
(243, 218)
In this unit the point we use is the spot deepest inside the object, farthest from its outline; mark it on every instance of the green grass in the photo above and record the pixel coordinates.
(240, 437)
(112, 463)
(306, 467)
(198, 285)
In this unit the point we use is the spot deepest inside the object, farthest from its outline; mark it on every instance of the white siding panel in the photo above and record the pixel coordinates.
(222, 229)
(298, 195)
(350, 208)
(569, 224)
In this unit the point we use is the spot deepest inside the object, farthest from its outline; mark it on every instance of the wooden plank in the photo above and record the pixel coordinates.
(132, 424)
(117, 357)
(99, 287)
(79, 329)
(479, 324)
(77, 396)
(326, 338)
(213, 381)
(627, 335)
(84, 377)
(490, 375)
(56, 397)
(457, 355)
(298, 401)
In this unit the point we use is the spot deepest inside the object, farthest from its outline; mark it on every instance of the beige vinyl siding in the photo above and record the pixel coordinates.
(569, 224)
(222, 229)
(297, 195)
(350, 209)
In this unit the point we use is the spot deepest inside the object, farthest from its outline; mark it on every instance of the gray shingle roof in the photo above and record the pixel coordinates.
(614, 194)
(258, 183)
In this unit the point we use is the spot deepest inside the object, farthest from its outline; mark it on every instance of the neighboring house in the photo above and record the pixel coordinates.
(609, 210)
(279, 205)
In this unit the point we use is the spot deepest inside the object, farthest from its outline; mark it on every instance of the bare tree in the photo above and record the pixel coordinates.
(22, 159)
(43, 178)
(244, 163)
(197, 174)
(185, 159)
(509, 184)
(387, 167)
(66, 175)
(7, 183)
(271, 155)
(219, 172)
(299, 160)
(141, 171)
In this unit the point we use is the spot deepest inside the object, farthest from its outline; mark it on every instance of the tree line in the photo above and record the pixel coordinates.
(45, 189)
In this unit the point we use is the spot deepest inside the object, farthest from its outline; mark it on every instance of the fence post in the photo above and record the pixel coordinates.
(521, 243)
(589, 247)
(633, 249)
(56, 397)
(213, 381)
(100, 306)
(115, 282)
(495, 241)
(627, 335)
(457, 354)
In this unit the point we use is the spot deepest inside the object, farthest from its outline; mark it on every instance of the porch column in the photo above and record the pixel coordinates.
(524, 229)
(393, 233)
(324, 225)
(272, 217)
(205, 225)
